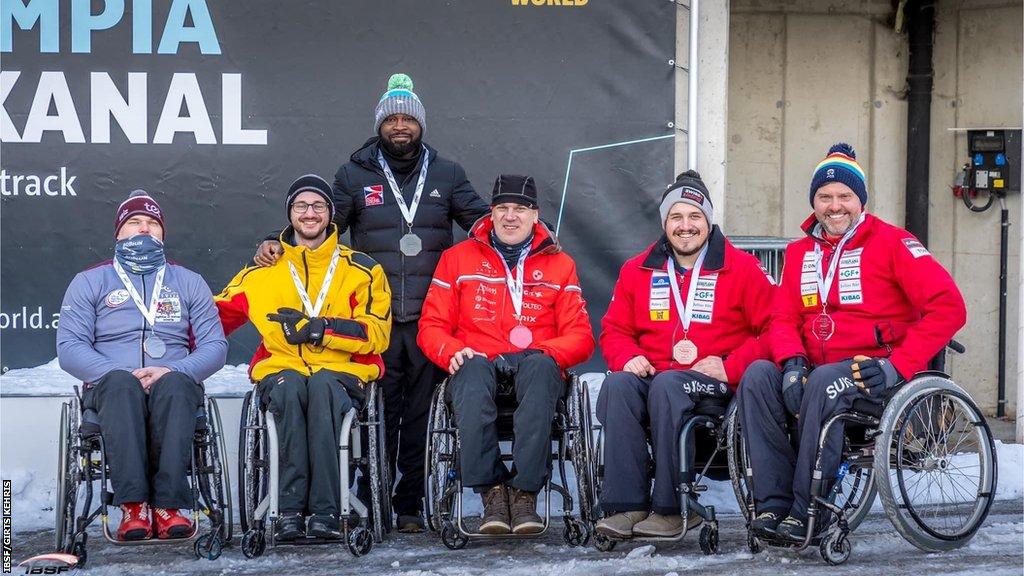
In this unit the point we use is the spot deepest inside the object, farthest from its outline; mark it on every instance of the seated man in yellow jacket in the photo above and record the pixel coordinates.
(324, 312)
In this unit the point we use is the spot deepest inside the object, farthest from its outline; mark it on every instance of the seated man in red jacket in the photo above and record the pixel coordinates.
(862, 305)
(506, 304)
(683, 324)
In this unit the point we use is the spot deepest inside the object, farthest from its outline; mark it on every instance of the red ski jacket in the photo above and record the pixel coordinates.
(890, 298)
(468, 302)
(731, 311)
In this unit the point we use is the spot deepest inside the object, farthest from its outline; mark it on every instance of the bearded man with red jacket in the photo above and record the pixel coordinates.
(686, 319)
(862, 305)
(506, 305)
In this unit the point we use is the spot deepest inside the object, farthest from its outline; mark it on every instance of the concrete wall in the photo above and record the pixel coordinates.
(804, 74)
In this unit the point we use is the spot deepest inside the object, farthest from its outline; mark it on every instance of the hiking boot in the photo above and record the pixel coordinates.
(765, 524)
(290, 527)
(660, 525)
(792, 528)
(169, 523)
(410, 523)
(136, 522)
(495, 511)
(324, 526)
(620, 525)
(523, 507)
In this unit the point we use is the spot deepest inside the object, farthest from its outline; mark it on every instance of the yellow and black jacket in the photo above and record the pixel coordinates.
(357, 308)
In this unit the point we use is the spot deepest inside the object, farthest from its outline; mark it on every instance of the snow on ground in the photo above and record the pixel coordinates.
(49, 379)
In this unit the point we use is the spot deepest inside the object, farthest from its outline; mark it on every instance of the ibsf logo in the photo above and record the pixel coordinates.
(537, 274)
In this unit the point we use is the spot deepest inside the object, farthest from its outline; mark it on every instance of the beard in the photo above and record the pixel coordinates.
(307, 236)
(399, 150)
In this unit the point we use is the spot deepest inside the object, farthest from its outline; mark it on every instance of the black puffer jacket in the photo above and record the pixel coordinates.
(376, 229)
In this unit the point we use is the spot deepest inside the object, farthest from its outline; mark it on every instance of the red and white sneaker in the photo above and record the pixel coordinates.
(169, 523)
(136, 522)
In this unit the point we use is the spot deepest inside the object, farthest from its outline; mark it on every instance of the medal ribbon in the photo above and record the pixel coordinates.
(825, 284)
(409, 214)
(158, 285)
(311, 310)
(515, 284)
(685, 312)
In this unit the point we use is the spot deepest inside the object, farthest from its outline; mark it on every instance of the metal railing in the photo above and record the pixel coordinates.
(770, 250)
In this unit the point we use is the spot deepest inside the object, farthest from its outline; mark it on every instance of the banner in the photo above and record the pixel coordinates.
(215, 106)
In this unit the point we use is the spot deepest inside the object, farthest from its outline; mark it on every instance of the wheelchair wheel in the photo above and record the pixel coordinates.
(739, 467)
(213, 477)
(380, 471)
(935, 464)
(253, 464)
(68, 477)
(581, 451)
(440, 473)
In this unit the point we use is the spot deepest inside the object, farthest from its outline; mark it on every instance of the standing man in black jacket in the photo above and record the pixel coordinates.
(399, 199)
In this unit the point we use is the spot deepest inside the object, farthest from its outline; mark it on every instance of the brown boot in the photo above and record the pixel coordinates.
(495, 511)
(524, 512)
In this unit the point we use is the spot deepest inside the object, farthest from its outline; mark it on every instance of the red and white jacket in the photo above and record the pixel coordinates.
(731, 309)
(890, 298)
(468, 303)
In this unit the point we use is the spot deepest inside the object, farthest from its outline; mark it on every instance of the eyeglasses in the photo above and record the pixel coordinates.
(301, 207)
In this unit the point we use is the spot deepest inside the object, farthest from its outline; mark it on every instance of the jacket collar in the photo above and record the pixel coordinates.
(658, 253)
(366, 155)
(315, 257)
(544, 241)
(813, 230)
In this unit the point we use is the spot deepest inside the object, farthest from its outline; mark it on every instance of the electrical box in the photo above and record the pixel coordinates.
(995, 161)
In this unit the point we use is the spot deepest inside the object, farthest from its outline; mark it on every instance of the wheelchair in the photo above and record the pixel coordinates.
(702, 440)
(572, 444)
(362, 447)
(927, 452)
(81, 461)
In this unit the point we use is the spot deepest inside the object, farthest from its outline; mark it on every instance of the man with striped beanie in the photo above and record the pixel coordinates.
(862, 306)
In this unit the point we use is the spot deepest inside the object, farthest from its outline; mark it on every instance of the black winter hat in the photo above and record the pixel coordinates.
(310, 183)
(512, 188)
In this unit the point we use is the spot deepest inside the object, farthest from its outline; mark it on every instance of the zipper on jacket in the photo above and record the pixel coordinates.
(305, 271)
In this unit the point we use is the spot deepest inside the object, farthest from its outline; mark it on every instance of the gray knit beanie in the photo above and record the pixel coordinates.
(399, 99)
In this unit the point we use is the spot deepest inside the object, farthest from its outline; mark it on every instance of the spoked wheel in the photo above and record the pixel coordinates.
(68, 476)
(253, 464)
(739, 465)
(856, 492)
(579, 442)
(835, 548)
(753, 543)
(936, 464)
(208, 546)
(440, 473)
(213, 476)
(380, 471)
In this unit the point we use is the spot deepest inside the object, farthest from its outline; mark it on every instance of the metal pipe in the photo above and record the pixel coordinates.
(691, 85)
(1004, 240)
(920, 29)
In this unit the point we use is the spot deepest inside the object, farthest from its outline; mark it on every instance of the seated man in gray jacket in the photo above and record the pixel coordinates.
(142, 334)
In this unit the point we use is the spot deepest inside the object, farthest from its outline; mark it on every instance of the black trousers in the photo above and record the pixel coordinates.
(408, 383)
(628, 407)
(782, 474)
(308, 413)
(538, 386)
(147, 438)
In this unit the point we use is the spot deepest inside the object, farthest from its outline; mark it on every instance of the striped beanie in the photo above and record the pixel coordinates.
(138, 202)
(399, 99)
(840, 165)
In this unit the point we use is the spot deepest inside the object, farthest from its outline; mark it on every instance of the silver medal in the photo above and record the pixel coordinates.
(410, 244)
(154, 347)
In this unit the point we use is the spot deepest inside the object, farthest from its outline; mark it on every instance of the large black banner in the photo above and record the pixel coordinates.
(215, 106)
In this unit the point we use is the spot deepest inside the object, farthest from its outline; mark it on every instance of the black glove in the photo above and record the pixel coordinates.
(875, 375)
(298, 328)
(794, 374)
(507, 364)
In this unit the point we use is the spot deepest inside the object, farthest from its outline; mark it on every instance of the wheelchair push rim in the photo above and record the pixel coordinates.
(941, 460)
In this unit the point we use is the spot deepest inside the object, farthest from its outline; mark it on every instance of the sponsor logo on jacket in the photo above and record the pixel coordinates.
(374, 195)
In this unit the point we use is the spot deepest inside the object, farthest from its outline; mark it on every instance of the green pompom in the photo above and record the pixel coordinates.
(399, 81)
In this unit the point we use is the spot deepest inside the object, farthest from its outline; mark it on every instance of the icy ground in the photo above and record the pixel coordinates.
(997, 549)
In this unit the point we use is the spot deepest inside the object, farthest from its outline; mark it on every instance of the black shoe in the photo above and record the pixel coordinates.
(290, 527)
(765, 524)
(324, 526)
(793, 529)
(410, 523)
